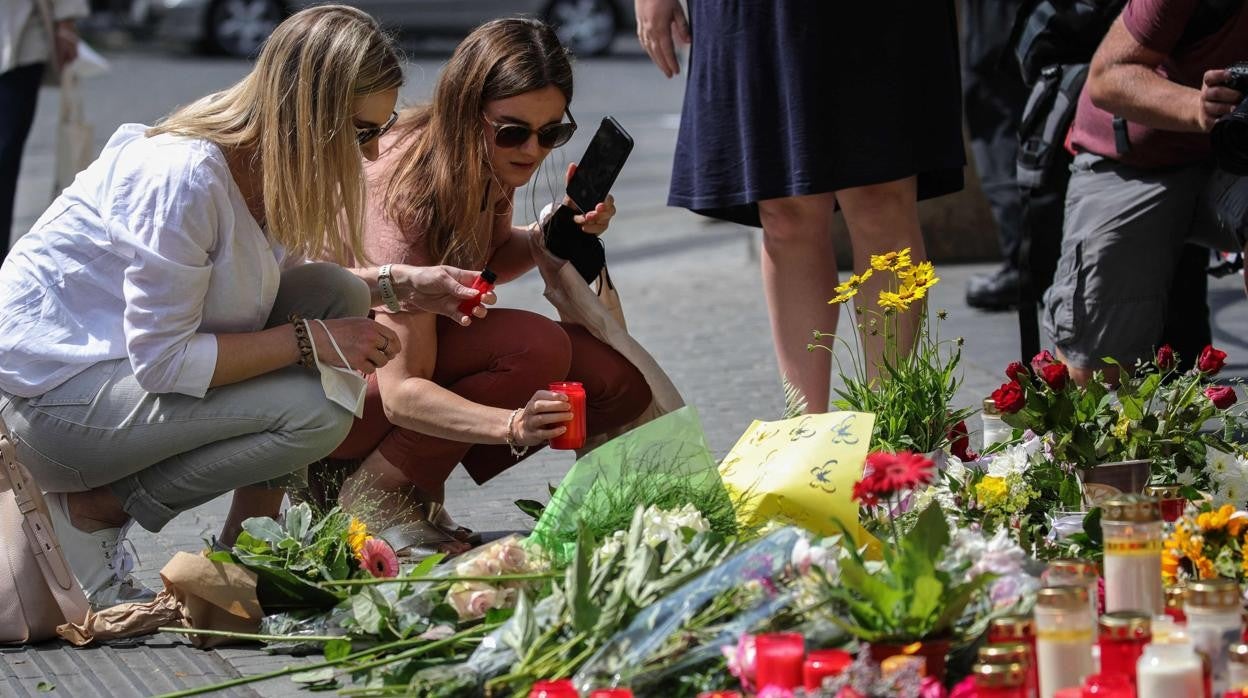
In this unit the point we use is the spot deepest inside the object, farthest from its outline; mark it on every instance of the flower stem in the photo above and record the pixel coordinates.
(252, 636)
(463, 578)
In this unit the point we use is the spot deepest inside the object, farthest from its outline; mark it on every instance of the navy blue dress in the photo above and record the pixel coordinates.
(794, 97)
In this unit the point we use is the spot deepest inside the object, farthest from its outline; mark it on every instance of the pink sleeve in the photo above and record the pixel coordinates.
(1158, 24)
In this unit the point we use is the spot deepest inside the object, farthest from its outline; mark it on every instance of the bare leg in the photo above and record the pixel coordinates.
(799, 277)
(382, 495)
(95, 510)
(883, 218)
(247, 503)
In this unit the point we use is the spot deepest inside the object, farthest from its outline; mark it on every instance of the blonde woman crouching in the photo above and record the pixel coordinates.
(148, 360)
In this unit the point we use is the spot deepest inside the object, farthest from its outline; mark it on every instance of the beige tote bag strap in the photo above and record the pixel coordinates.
(38, 528)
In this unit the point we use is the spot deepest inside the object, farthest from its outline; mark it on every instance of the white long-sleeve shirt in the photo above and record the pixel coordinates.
(23, 37)
(145, 256)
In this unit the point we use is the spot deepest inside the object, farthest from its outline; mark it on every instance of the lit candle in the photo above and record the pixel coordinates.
(778, 659)
(1064, 632)
(1131, 527)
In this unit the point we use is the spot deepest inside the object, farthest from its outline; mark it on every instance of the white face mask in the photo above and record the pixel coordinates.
(343, 386)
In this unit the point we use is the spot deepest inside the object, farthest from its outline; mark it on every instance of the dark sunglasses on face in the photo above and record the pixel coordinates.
(549, 136)
(364, 135)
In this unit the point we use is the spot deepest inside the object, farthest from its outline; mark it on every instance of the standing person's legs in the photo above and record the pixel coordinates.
(799, 278)
(19, 93)
(883, 218)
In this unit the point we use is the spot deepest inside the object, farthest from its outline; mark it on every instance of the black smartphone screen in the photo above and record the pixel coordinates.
(600, 165)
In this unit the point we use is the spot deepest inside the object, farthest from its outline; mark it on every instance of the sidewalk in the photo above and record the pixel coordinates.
(692, 294)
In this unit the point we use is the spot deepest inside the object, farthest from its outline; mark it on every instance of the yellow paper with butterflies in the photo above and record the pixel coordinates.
(800, 471)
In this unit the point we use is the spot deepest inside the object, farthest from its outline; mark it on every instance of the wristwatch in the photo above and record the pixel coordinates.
(385, 284)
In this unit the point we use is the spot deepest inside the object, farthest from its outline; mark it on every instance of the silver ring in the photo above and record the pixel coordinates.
(385, 345)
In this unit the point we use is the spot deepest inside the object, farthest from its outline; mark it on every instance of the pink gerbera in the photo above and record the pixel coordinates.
(378, 558)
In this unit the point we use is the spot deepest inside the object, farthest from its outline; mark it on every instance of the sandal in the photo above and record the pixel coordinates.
(418, 539)
(441, 519)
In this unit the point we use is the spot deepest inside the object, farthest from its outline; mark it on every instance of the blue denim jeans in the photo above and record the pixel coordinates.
(162, 454)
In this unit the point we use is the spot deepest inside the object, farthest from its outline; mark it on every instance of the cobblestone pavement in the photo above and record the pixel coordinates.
(692, 294)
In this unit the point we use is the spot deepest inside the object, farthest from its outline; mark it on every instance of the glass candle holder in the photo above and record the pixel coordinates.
(1108, 686)
(1074, 572)
(821, 664)
(1169, 670)
(574, 437)
(1237, 667)
(611, 693)
(560, 688)
(1131, 528)
(1013, 653)
(995, 429)
(1170, 498)
(778, 660)
(1064, 632)
(1122, 637)
(1000, 681)
(1215, 623)
(719, 694)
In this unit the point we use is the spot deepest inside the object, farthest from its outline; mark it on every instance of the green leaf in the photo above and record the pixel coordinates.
(585, 613)
(1092, 527)
(298, 520)
(956, 600)
(45, 687)
(265, 529)
(521, 631)
(366, 613)
(531, 507)
(336, 649)
(928, 592)
(497, 616)
(314, 676)
(426, 565)
(930, 534)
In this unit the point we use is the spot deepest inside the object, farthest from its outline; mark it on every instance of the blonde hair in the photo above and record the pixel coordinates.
(294, 111)
(440, 183)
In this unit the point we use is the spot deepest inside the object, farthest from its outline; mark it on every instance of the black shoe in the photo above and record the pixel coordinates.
(997, 290)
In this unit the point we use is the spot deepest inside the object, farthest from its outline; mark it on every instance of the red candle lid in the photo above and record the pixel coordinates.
(561, 688)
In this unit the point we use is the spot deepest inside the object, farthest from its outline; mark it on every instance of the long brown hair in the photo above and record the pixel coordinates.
(294, 111)
(441, 180)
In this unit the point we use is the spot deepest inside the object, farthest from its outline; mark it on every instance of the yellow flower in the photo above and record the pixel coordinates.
(1210, 521)
(1122, 428)
(991, 491)
(849, 289)
(357, 533)
(891, 261)
(901, 300)
(1170, 566)
(921, 277)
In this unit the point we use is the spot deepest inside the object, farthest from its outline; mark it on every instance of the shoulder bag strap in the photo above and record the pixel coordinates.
(38, 528)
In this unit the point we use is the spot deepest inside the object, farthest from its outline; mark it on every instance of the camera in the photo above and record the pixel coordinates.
(1230, 133)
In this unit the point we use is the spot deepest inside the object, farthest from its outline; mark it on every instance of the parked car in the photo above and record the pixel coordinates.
(238, 27)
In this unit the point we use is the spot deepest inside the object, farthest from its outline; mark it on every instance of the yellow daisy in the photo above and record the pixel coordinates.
(891, 261)
(901, 300)
(849, 289)
(357, 533)
(921, 277)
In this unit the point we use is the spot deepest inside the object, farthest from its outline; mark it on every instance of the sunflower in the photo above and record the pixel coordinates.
(849, 289)
(891, 261)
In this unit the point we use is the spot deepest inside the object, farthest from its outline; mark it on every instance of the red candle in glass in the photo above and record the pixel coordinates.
(1104, 685)
(1000, 681)
(483, 284)
(1122, 638)
(1017, 629)
(821, 664)
(574, 437)
(612, 693)
(561, 688)
(1171, 499)
(778, 659)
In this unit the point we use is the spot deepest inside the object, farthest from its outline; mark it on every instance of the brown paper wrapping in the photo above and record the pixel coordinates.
(199, 593)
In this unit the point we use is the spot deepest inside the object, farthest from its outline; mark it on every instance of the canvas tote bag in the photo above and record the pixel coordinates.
(35, 580)
(597, 308)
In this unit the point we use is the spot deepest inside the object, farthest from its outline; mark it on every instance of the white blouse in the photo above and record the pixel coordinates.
(149, 252)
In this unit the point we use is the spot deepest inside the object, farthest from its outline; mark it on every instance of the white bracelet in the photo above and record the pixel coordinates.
(385, 284)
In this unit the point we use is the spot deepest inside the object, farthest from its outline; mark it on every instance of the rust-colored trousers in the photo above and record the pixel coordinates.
(501, 361)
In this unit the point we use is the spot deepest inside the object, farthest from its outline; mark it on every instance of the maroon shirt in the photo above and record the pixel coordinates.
(1157, 25)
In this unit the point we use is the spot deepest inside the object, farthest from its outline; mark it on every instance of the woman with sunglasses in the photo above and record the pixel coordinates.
(152, 322)
(441, 192)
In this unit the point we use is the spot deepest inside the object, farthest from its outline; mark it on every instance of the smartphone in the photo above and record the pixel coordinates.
(600, 165)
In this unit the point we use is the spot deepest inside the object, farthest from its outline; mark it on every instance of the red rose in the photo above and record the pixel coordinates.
(1009, 398)
(960, 443)
(1055, 375)
(1211, 360)
(1039, 361)
(1165, 358)
(1016, 372)
(1222, 396)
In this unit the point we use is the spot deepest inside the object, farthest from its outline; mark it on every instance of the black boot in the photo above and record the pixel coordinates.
(997, 290)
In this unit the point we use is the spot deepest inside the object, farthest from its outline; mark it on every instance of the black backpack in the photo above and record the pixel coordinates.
(1054, 41)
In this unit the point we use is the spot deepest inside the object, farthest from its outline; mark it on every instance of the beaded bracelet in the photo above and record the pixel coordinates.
(516, 450)
(306, 357)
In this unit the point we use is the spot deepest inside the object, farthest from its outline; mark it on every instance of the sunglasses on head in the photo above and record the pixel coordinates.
(364, 135)
(549, 136)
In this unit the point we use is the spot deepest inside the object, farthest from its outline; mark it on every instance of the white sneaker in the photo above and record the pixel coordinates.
(99, 561)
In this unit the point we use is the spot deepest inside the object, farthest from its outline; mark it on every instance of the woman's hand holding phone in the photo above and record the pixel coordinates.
(594, 222)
